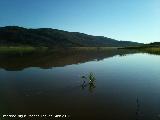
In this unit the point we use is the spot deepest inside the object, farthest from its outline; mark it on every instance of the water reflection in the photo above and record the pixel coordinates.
(90, 86)
(138, 112)
(49, 59)
(60, 90)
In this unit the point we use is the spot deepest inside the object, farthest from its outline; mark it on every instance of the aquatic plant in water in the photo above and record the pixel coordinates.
(90, 78)
(89, 81)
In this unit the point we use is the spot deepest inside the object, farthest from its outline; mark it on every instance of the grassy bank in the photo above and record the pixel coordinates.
(31, 49)
(93, 48)
(20, 49)
(152, 50)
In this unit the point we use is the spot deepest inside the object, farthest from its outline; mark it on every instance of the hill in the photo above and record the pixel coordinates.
(154, 44)
(14, 35)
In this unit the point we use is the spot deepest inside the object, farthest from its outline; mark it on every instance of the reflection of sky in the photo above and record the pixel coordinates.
(119, 81)
(136, 20)
(132, 70)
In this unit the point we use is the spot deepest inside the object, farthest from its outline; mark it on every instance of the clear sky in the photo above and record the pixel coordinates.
(132, 20)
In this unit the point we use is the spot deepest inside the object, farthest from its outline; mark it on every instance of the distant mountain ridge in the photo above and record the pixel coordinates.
(14, 35)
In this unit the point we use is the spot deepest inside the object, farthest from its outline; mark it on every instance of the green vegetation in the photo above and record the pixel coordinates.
(16, 49)
(52, 38)
(93, 48)
(90, 82)
(29, 49)
(90, 77)
(20, 49)
(152, 48)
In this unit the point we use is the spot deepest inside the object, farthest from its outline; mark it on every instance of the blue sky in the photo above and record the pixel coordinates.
(132, 20)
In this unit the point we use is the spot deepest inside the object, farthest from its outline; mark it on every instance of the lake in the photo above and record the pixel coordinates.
(127, 85)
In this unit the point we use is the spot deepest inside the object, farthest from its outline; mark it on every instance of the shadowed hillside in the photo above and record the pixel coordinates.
(14, 35)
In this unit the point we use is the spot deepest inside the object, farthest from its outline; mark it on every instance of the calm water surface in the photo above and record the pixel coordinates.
(127, 87)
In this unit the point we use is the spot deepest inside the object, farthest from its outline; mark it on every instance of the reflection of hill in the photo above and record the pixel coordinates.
(50, 59)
